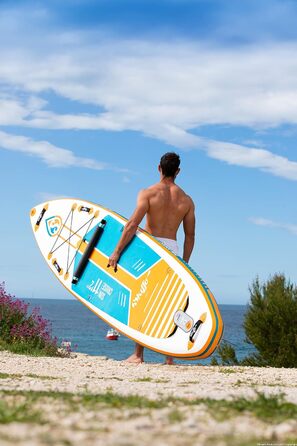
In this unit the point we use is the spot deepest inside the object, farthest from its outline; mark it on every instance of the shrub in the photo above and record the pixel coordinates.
(227, 355)
(21, 332)
(271, 321)
(270, 326)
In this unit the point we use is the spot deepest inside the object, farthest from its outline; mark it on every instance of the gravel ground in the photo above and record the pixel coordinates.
(177, 423)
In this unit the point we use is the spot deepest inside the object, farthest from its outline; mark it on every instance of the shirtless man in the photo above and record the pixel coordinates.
(165, 205)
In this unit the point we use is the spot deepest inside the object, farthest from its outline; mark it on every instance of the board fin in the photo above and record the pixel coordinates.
(195, 330)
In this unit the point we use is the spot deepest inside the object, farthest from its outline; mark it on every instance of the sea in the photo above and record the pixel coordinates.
(72, 321)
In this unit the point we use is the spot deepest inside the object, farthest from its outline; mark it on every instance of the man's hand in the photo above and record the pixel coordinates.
(113, 261)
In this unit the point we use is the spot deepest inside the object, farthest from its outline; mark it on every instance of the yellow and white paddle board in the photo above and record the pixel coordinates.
(154, 297)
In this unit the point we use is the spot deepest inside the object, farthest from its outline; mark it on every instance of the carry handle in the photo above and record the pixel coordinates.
(86, 255)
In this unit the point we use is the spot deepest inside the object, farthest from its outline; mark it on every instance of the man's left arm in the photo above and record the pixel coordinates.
(130, 227)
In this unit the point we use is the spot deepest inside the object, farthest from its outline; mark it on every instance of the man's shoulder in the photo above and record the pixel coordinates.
(150, 189)
(185, 195)
(190, 199)
(147, 192)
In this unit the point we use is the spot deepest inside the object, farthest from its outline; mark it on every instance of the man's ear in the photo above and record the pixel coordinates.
(159, 168)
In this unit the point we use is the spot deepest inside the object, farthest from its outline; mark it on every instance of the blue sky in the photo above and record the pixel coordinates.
(92, 93)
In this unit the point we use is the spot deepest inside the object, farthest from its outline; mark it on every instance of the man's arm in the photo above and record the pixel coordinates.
(130, 227)
(189, 229)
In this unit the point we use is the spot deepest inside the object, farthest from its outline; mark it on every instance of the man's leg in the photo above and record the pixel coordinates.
(137, 357)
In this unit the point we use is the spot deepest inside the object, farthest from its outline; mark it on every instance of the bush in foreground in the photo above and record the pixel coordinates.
(21, 332)
(270, 325)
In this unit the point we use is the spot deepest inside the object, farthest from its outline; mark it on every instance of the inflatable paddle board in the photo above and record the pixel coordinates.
(154, 297)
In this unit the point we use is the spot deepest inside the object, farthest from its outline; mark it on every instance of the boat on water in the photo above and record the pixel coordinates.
(112, 334)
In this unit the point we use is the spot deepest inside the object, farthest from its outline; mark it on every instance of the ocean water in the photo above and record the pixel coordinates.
(72, 321)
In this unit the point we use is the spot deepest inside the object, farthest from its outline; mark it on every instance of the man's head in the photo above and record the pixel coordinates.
(169, 165)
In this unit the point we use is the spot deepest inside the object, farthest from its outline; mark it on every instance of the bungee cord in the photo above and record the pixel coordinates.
(71, 234)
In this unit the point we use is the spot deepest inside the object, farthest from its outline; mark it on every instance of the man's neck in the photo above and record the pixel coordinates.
(167, 180)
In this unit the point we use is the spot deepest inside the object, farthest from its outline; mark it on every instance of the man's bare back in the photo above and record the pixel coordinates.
(168, 206)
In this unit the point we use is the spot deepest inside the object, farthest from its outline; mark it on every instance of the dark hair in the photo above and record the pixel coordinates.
(169, 163)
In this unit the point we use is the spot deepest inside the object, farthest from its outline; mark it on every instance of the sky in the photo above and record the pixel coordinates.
(92, 93)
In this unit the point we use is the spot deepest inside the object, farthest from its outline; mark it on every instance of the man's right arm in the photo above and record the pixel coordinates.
(189, 229)
(130, 227)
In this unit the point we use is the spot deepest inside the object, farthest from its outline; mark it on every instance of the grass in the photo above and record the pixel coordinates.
(272, 409)
(88, 400)
(115, 400)
(267, 408)
(18, 412)
(240, 441)
(9, 375)
(95, 410)
(146, 379)
(30, 375)
(23, 348)
(27, 348)
(175, 416)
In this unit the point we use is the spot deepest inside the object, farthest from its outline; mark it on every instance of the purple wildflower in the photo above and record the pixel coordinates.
(17, 327)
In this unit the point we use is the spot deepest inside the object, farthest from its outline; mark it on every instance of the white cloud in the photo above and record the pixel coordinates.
(15, 111)
(180, 84)
(52, 155)
(264, 160)
(47, 196)
(163, 91)
(254, 143)
(273, 224)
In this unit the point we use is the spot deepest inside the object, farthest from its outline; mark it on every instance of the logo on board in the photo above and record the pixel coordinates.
(53, 225)
(142, 290)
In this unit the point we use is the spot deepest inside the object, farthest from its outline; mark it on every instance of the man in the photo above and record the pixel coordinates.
(166, 206)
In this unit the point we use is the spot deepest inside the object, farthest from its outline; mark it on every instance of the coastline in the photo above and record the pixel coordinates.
(177, 385)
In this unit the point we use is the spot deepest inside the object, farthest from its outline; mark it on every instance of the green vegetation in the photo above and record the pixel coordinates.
(9, 375)
(233, 440)
(115, 400)
(89, 400)
(23, 332)
(45, 377)
(30, 375)
(226, 353)
(270, 323)
(175, 416)
(272, 408)
(146, 379)
(18, 412)
(270, 326)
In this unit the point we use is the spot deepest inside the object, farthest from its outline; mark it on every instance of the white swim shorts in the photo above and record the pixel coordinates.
(169, 243)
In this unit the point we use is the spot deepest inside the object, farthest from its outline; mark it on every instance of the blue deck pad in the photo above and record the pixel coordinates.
(105, 293)
(136, 258)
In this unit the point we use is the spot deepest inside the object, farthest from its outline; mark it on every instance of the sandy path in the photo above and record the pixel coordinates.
(175, 424)
(98, 374)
